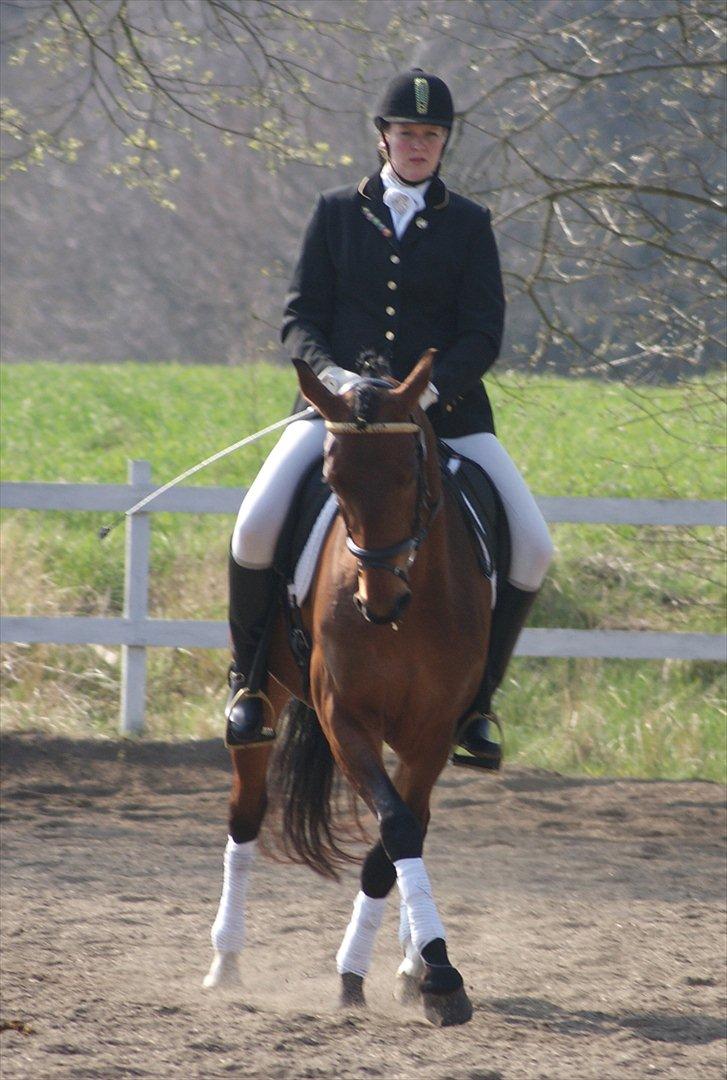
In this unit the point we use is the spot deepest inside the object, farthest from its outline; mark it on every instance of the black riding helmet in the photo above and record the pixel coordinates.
(415, 98)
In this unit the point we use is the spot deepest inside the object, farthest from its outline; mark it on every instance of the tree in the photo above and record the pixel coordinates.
(593, 129)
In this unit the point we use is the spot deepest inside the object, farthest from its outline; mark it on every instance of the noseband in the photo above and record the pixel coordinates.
(381, 558)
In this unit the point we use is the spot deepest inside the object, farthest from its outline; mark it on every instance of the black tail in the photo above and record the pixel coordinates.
(305, 788)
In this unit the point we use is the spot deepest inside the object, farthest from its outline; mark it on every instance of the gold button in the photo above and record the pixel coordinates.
(391, 284)
(394, 258)
(391, 311)
(389, 335)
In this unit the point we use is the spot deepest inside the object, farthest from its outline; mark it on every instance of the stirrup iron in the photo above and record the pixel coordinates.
(265, 735)
(489, 761)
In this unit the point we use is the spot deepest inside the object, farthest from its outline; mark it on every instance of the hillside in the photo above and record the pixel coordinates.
(599, 153)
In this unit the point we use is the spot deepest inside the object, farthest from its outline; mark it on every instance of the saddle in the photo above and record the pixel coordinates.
(482, 511)
(314, 508)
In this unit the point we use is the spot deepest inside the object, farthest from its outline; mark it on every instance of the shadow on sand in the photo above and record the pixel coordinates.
(693, 1030)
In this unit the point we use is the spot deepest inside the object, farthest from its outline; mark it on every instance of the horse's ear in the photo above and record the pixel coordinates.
(329, 405)
(417, 380)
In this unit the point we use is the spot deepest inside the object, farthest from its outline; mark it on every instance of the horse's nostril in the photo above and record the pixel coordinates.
(394, 616)
(401, 605)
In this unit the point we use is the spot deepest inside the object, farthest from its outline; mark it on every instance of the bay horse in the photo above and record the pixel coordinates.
(398, 616)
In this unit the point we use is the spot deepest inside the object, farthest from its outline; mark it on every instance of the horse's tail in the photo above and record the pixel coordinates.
(304, 786)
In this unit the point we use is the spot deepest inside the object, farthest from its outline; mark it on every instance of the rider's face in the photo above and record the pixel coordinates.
(415, 149)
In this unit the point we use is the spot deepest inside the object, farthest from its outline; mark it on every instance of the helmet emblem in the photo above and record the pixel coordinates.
(421, 94)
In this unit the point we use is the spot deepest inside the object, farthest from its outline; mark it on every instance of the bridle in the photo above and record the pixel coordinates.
(425, 511)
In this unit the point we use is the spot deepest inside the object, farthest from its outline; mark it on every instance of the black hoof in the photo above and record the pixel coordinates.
(352, 995)
(446, 1010)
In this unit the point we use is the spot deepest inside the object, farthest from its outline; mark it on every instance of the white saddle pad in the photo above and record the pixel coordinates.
(308, 560)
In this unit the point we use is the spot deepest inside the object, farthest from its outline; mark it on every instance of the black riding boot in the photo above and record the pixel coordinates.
(511, 611)
(251, 613)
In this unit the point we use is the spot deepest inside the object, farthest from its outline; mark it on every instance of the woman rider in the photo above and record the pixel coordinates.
(396, 265)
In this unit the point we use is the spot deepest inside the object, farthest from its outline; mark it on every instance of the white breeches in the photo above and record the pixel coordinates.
(262, 514)
(264, 508)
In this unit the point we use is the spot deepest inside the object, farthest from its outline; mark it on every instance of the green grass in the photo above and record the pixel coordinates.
(79, 423)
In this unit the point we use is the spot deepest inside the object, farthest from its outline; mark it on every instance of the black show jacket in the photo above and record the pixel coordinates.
(357, 287)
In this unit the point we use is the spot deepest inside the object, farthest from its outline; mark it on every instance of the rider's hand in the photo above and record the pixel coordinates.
(335, 378)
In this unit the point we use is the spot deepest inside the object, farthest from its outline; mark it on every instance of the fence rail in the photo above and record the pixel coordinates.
(136, 632)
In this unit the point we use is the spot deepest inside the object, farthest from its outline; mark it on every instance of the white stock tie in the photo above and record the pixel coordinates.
(403, 207)
(397, 201)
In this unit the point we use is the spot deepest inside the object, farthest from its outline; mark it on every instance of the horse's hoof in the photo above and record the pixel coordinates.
(446, 1010)
(407, 989)
(352, 995)
(223, 971)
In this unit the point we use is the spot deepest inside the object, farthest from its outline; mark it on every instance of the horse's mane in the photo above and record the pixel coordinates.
(371, 365)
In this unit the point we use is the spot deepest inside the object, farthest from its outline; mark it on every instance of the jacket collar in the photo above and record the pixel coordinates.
(436, 198)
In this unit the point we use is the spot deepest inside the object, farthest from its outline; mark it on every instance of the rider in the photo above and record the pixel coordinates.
(396, 265)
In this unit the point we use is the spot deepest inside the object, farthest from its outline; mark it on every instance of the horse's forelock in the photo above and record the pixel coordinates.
(366, 401)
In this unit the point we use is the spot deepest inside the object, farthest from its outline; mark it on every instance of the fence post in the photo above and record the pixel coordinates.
(136, 592)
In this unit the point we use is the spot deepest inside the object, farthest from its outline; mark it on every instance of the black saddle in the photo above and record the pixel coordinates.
(481, 508)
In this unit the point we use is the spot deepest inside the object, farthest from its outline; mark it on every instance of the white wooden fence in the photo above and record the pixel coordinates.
(136, 632)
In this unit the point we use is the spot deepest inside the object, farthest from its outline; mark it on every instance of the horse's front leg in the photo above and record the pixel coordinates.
(353, 959)
(354, 956)
(378, 877)
(402, 838)
(248, 802)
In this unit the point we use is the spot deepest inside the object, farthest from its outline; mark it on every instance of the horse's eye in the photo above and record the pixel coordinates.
(331, 474)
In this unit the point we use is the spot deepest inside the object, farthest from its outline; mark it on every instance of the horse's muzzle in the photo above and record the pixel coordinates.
(394, 616)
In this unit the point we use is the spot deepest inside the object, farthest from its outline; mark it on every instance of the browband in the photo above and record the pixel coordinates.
(352, 428)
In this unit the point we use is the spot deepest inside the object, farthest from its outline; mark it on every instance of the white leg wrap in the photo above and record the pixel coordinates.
(404, 928)
(228, 929)
(412, 964)
(357, 946)
(416, 892)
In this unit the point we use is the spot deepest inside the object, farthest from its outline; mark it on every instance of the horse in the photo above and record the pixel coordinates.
(398, 617)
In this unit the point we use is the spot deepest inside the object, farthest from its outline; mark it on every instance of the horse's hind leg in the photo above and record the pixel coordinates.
(411, 970)
(248, 802)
